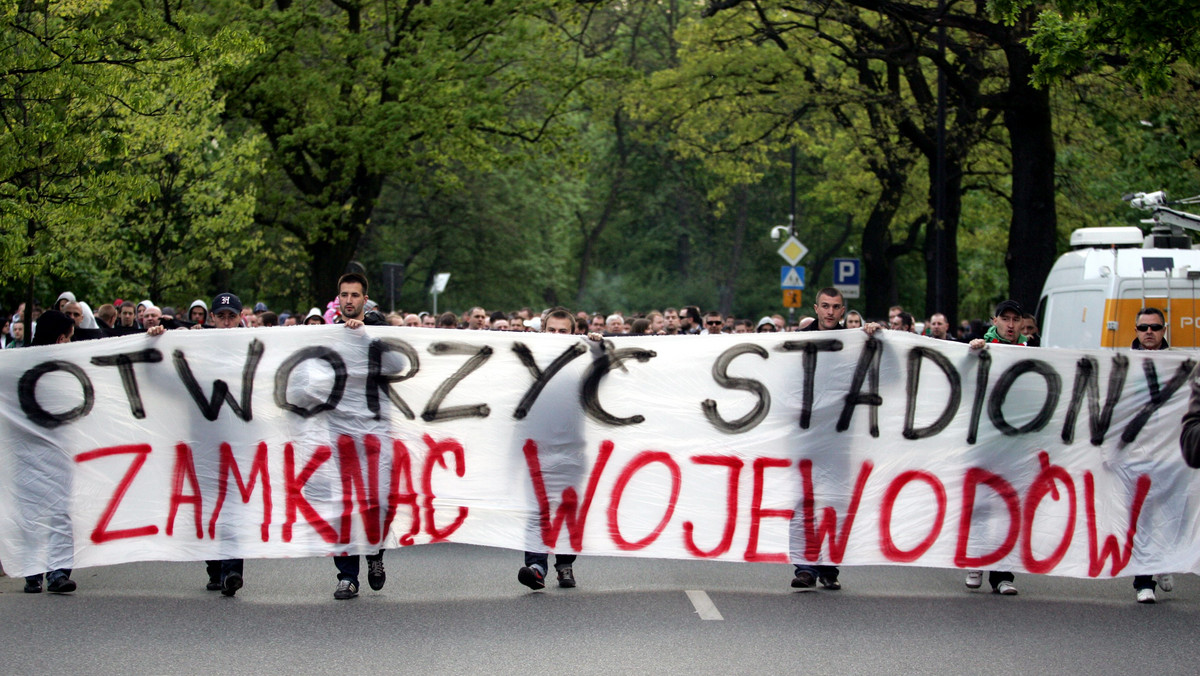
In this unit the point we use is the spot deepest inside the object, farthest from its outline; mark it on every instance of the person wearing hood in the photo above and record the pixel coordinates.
(198, 313)
(314, 317)
(63, 298)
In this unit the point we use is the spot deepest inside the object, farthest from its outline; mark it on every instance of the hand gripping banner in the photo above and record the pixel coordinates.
(829, 447)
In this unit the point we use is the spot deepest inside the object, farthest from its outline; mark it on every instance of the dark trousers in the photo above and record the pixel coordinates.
(995, 577)
(543, 559)
(1144, 582)
(348, 566)
(219, 570)
(50, 576)
(827, 572)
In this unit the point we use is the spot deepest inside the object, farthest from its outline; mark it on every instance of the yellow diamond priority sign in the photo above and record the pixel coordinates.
(792, 250)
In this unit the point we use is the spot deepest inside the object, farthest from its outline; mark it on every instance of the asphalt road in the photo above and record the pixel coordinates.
(455, 609)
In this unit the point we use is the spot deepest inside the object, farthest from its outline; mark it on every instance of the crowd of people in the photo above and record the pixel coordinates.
(70, 319)
(123, 317)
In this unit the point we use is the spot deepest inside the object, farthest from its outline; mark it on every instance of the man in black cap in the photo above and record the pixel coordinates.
(1005, 330)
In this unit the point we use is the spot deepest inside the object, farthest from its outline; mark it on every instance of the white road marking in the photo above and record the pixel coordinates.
(703, 605)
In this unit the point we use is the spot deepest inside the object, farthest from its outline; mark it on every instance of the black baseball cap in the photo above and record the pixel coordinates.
(226, 301)
(1006, 305)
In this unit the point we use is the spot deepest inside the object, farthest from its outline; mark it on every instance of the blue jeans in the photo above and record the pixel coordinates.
(57, 574)
(543, 559)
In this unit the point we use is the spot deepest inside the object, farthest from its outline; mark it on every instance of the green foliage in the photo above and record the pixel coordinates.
(1144, 40)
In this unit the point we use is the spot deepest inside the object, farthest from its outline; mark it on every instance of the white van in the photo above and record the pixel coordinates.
(1093, 293)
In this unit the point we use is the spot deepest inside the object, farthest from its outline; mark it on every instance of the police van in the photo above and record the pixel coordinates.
(1093, 293)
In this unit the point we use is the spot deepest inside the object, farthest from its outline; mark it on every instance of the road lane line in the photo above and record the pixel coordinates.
(703, 605)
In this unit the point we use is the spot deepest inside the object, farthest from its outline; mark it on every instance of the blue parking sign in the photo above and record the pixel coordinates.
(846, 271)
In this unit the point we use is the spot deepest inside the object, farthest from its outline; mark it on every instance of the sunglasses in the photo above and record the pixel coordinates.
(715, 323)
(1149, 327)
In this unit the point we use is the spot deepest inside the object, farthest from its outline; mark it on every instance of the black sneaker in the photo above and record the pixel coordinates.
(213, 585)
(566, 577)
(231, 584)
(531, 577)
(345, 590)
(61, 585)
(376, 576)
(804, 580)
(830, 584)
(33, 585)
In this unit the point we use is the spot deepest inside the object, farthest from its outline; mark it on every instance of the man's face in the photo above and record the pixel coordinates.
(412, 320)
(895, 323)
(351, 300)
(597, 324)
(558, 325)
(714, 324)
(141, 310)
(1150, 331)
(226, 319)
(151, 317)
(1007, 324)
(18, 331)
(429, 322)
(128, 316)
(671, 319)
(197, 314)
(72, 310)
(500, 325)
(686, 322)
(829, 311)
(656, 323)
(741, 328)
(938, 326)
(477, 319)
(615, 325)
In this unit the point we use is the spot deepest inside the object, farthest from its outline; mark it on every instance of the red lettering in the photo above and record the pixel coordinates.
(185, 468)
(1042, 486)
(295, 493)
(352, 485)
(813, 535)
(402, 468)
(757, 513)
(101, 534)
(731, 500)
(641, 460)
(1120, 555)
(976, 476)
(437, 453)
(569, 512)
(258, 469)
(886, 544)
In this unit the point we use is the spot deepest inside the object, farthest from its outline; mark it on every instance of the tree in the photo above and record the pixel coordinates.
(352, 94)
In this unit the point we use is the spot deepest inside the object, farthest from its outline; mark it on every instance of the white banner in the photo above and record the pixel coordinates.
(800, 447)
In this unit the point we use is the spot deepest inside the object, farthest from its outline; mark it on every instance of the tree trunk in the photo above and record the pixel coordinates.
(1034, 227)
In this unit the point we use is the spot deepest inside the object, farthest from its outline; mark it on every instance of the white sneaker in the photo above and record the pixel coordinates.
(974, 579)
(1006, 588)
(1146, 596)
(1166, 581)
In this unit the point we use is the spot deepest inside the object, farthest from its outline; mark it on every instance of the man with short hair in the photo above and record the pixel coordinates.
(670, 321)
(428, 321)
(477, 319)
(714, 323)
(151, 317)
(561, 449)
(939, 327)
(1151, 331)
(690, 320)
(829, 307)
(596, 324)
(614, 325)
(352, 301)
(657, 324)
(902, 321)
